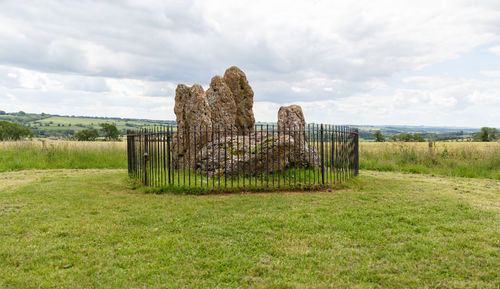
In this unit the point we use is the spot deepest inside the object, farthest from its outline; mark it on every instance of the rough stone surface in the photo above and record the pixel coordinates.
(291, 119)
(252, 154)
(243, 98)
(192, 113)
(222, 105)
(291, 122)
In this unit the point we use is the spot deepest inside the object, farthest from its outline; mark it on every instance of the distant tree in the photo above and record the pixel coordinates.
(418, 138)
(110, 131)
(13, 131)
(487, 134)
(87, 135)
(407, 137)
(21, 113)
(2, 112)
(378, 136)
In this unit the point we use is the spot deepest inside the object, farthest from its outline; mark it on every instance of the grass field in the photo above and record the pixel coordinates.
(464, 159)
(61, 154)
(88, 229)
(54, 121)
(65, 126)
(83, 225)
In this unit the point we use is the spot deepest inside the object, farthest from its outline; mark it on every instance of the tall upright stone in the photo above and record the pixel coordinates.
(291, 118)
(243, 98)
(222, 105)
(291, 122)
(193, 120)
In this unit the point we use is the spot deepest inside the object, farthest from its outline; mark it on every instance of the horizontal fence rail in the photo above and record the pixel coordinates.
(269, 157)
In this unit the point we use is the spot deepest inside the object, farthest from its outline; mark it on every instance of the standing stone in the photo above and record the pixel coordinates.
(291, 122)
(243, 97)
(222, 105)
(291, 118)
(193, 120)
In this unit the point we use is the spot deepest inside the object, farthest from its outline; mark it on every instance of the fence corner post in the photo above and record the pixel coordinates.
(129, 152)
(356, 152)
(322, 156)
(145, 157)
(168, 155)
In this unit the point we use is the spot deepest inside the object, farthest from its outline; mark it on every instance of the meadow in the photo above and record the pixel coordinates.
(48, 154)
(462, 159)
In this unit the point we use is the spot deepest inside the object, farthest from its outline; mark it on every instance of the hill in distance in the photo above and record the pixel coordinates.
(61, 126)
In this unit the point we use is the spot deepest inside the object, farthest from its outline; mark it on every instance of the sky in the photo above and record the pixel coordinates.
(433, 63)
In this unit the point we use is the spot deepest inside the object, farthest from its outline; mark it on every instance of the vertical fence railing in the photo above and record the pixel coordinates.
(222, 157)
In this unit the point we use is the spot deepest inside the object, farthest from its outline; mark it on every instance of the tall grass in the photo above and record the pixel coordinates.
(444, 158)
(61, 155)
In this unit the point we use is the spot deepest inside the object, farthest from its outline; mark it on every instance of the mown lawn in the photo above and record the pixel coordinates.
(89, 229)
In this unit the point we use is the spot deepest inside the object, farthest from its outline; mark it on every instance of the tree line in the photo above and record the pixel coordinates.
(14, 131)
(486, 134)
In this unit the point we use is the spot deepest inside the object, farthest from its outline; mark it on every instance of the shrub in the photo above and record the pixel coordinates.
(13, 131)
(87, 135)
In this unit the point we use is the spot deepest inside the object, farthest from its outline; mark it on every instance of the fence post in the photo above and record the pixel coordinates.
(168, 154)
(322, 157)
(356, 152)
(145, 159)
(129, 152)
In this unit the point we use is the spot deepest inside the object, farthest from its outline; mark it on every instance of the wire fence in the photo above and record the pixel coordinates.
(267, 158)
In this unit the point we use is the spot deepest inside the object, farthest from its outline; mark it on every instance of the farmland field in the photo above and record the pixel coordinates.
(464, 159)
(49, 154)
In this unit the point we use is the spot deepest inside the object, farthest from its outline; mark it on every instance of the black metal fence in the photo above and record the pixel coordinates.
(269, 157)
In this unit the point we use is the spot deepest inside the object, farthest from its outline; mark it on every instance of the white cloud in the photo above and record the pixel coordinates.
(491, 73)
(344, 61)
(495, 49)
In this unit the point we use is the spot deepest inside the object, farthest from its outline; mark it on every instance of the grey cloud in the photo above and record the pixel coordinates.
(312, 51)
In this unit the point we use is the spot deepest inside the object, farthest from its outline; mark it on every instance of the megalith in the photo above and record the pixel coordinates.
(221, 104)
(243, 98)
(193, 118)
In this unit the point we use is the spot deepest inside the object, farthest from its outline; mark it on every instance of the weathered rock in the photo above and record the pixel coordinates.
(252, 154)
(222, 105)
(243, 98)
(291, 122)
(193, 120)
(291, 119)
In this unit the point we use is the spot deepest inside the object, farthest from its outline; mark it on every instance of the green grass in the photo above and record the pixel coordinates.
(53, 155)
(89, 229)
(192, 182)
(452, 159)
